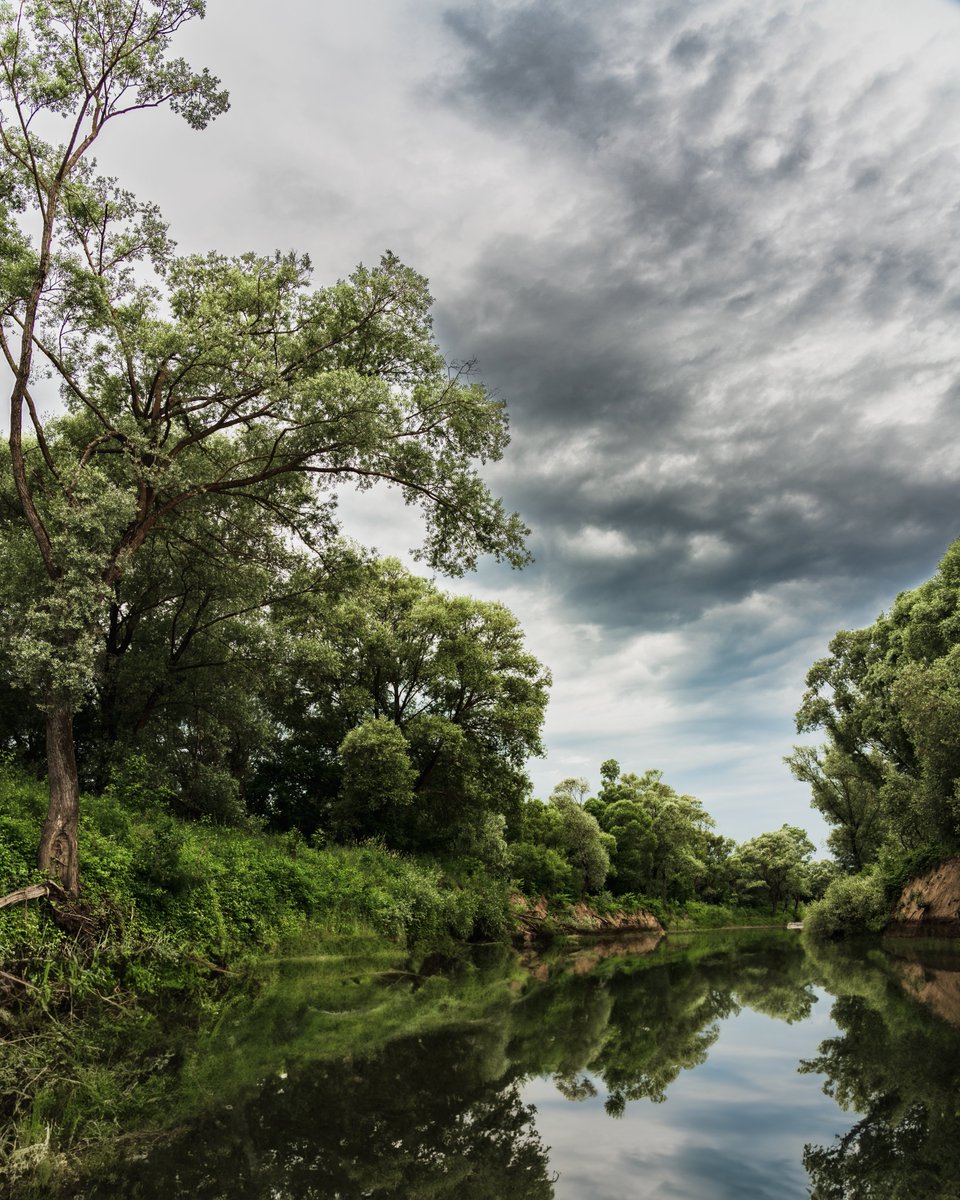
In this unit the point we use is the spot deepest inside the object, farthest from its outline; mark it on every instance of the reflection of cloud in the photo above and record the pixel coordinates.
(733, 1128)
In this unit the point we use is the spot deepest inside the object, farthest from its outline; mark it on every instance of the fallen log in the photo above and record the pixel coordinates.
(33, 892)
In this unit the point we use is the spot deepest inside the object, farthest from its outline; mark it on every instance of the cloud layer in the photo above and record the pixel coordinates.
(708, 251)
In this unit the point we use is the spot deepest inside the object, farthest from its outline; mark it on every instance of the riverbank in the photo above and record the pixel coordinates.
(167, 904)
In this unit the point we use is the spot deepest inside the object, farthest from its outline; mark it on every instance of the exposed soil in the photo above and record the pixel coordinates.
(536, 921)
(929, 906)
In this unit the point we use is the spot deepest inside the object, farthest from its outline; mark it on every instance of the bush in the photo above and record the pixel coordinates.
(169, 896)
(852, 905)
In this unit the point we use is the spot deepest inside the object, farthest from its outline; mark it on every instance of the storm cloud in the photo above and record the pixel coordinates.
(732, 363)
(708, 252)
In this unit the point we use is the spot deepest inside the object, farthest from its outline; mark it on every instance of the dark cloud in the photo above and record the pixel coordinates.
(718, 364)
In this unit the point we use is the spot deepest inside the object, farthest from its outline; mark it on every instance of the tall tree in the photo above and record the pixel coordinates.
(848, 797)
(212, 376)
(888, 698)
(661, 836)
(774, 865)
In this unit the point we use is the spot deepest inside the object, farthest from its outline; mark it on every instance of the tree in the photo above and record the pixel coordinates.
(450, 673)
(661, 844)
(185, 651)
(888, 698)
(774, 865)
(560, 846)
(848, 800)
(214, 376)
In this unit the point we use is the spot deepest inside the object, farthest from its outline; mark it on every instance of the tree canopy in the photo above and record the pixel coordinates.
(187, 380)
(888, 699)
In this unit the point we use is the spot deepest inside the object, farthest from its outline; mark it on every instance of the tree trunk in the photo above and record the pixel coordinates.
(58, 842)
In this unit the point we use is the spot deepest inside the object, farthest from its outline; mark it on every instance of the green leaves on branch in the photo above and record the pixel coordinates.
(94, 60)
(888, 699)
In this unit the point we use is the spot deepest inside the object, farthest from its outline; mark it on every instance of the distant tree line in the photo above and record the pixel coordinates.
(639, 838)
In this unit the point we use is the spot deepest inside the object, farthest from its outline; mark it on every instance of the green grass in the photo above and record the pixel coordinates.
(169, 899)
(184, 919)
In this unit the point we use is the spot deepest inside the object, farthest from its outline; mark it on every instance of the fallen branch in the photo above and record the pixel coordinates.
(33, 892)
(205, 962)
(16, 979)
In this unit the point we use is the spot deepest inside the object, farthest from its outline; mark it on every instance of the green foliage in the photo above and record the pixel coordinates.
(852, 905)
(451, 678)
(894, 1067)
(695, 914)
(562, 852)
(540, 870)
(378, 778)
(660, 838)
(774, 866)
(168, 896)
(888, 698)
(847, 796)
(896, 867)
(201, 391)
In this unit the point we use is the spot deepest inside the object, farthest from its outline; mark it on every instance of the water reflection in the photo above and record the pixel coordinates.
(431, 1117)
(898, 1068)
(715, 1025)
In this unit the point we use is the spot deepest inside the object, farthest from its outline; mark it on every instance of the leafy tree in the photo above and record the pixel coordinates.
(540, 870)
(580, 838)
(630, 826)
(847, 796)
(820, 874)
(774, 865)
(719, 880)
(449, 673)
(214, 377)
(573, 789)
(850, 905)
(888, 698)
(572, 837)
(661, 843)
(378, 776)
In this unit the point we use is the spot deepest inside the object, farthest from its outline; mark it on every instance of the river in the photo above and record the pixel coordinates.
(702, 1067)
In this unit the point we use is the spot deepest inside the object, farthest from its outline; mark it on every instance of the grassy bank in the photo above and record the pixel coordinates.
(167, 903)
(697, 915)
(176, 919)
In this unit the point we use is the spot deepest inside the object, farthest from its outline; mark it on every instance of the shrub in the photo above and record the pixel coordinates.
(852, 905)
(897, 867)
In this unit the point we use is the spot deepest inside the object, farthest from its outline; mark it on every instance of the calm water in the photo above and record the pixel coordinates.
(709, 1067)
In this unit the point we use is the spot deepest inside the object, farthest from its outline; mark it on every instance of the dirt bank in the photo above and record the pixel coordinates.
(929, 905)
(535, 920)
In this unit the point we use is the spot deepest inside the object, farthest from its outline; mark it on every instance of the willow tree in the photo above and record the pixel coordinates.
(185, 378)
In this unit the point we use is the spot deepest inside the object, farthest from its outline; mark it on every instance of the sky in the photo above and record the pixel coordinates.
(708, 252)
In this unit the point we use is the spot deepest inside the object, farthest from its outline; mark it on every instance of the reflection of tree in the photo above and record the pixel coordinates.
(441, 1115)
(663, 1022)
(898, 1068)
(424, 1119)
(635, 1024)
(783, 993)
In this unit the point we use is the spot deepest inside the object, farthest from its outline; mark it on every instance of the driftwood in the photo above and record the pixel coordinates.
(33, 892)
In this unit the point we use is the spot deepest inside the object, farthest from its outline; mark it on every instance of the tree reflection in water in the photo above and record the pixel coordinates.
(426, 1118)
(442, 1115)
(899, 1068)
(634, 1025)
